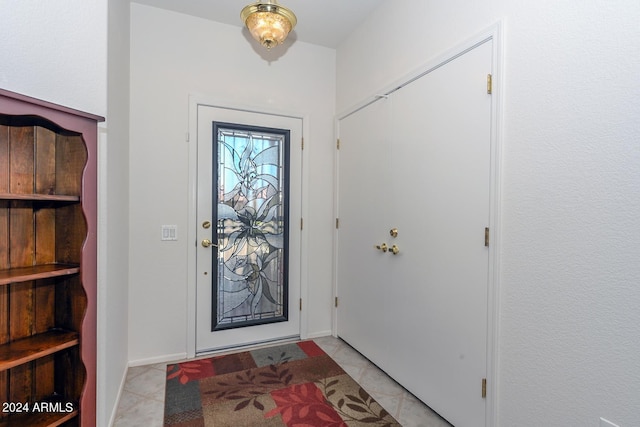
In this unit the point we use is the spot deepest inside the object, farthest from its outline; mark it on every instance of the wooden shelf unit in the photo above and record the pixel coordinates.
(25, 350)
(36, 272)
(48, 262)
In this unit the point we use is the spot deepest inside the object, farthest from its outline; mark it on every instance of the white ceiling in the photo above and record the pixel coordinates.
(322, 22)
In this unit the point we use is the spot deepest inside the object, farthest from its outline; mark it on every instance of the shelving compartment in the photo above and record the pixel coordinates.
(42, 301)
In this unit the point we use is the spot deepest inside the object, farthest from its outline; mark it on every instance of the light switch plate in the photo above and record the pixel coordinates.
(169, 232)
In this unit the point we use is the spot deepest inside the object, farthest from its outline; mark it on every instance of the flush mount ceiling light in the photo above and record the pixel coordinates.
(268, 22)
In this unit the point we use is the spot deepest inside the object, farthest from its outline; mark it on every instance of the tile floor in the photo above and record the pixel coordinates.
(142, 400)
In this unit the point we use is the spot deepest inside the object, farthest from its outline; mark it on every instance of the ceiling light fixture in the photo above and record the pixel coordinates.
(268, 22)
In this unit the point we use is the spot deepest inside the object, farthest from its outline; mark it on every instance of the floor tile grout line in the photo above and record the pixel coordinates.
(147, 397)
(142, 403)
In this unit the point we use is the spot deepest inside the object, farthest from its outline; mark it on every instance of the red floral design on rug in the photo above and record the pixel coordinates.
(304, 405)
(288, 385)
(189, 371)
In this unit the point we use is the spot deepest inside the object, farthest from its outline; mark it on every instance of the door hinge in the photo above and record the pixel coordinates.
(300, 304)
(336, 302)
(187, 136)
(302, 143)
(486, 236)
(489, 84)
(337, 222)
(338, 143)
(484, 388)
(301, 223)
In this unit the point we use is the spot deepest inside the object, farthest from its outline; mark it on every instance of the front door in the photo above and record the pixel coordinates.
(248, 251)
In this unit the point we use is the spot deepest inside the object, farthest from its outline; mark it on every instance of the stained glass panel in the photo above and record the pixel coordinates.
(251, 207)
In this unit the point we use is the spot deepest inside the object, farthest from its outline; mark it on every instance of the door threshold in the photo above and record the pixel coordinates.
(249, 346)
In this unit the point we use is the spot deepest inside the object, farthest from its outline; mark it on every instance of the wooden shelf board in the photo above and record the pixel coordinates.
(38, 419)
(44, 271)
(25, 350)
(39, 197)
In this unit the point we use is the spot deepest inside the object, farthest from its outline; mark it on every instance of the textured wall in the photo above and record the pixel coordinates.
(173, 56)
(569, 295)
(56, 53)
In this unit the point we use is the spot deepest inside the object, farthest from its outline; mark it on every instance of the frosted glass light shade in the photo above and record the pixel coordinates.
(268, 22)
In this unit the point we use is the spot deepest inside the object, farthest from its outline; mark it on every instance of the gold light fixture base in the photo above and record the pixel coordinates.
(268, 22)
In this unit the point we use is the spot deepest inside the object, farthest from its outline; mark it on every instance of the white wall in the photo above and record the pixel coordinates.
(172, 56)
(56, 53)
(569, 295)
(114, 210)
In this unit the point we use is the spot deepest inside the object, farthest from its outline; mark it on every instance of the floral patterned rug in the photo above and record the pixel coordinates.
(288, 385)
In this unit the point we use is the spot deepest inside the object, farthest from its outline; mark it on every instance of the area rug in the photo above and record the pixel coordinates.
(289, 385)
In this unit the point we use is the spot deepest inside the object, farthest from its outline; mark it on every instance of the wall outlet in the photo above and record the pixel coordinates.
(607, 423)
(169, 232)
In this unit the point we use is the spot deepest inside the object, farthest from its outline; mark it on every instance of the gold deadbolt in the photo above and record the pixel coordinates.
(206, 224)
(393, 232)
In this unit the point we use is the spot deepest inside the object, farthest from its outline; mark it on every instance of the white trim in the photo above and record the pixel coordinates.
(114, 410)
(192, 143)
(336, 189)
(196, 100)
(102, 280)
(320, 334)
(495, 224)
(158, 359)
(304, 235)
(493, 33)
(432, 64)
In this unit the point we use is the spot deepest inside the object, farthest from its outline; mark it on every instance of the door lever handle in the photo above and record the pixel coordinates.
(382, 247)
(206, 243)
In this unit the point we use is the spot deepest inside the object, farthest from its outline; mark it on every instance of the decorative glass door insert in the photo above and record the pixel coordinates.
(251, 182)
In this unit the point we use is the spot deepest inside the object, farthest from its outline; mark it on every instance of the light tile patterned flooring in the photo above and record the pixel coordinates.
(142, 400)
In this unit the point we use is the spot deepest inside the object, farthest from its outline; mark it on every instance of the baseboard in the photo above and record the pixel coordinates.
(319, 334)
(158, 359)
(114, 410)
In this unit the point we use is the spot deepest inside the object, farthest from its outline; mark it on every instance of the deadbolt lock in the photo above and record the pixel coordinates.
(393, 232)
(206, 224)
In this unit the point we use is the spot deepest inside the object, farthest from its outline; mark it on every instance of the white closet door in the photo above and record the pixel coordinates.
(363, 199)
(442, 123)
(428, 303)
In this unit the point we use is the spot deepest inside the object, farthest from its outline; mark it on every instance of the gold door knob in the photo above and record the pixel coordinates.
(394, 250)
(393, 232)
(382, 247)
(206, 243)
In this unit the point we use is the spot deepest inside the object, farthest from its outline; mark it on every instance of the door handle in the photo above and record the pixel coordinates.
(394, 250)
(206, 243)
(382, 247)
